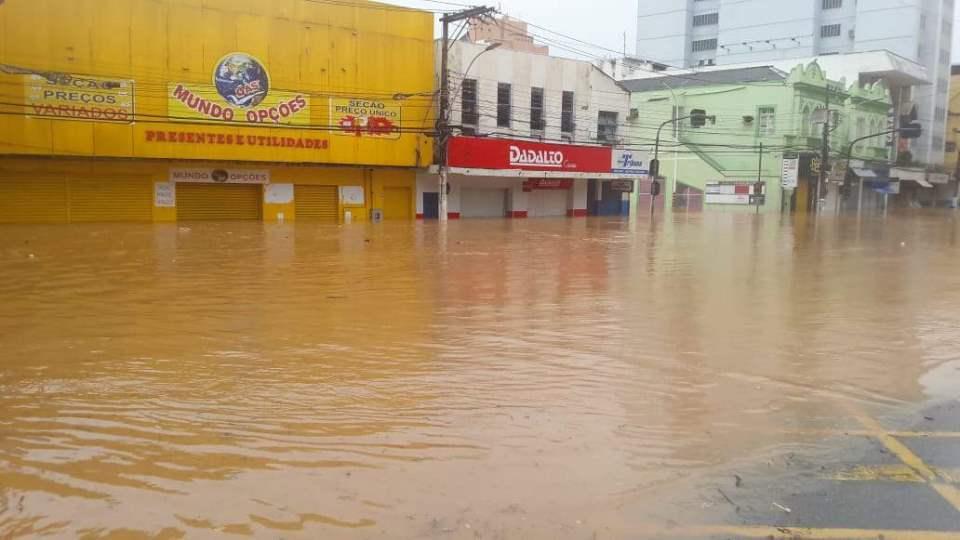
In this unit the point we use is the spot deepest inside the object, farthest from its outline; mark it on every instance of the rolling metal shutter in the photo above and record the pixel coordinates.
(315, 203)
(33, 200)
(93, 200)
(396, 204)
(219, 202)
(483, 203)
(547, 203)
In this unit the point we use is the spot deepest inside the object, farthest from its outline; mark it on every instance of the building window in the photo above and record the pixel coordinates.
(470, 117)
(830, 30)
(832, 4)
(940, 113)
(607, 127)
(504, 105)
(937, 144)
(537, 121)
(767, 126)
(704, 45)
(944, 56)
(566, 115)
(707, 19)
(951, 147)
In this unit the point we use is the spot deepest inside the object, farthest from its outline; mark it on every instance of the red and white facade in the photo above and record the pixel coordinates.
(506, 168)
(513, 178)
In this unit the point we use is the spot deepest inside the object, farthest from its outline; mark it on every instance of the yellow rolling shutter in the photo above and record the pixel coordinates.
(214, 202)
(93, 200)
(316, 203)
(396, 204)
(33, 200)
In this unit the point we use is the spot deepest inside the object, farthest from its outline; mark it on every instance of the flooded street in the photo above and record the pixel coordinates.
(503, 379)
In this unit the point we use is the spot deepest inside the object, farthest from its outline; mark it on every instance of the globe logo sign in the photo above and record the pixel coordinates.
(242, 80)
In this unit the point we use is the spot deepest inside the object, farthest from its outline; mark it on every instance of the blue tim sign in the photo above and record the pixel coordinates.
(630, 162)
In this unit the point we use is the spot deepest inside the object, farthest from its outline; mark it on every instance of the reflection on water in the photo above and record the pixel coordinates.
(522, 379)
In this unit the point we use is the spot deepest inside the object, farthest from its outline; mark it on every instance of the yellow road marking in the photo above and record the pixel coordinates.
(866, 433)
(949, 492)
(891, 473)
(794, 533)
(897, 448)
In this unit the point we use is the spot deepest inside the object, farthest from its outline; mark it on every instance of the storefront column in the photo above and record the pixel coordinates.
(577, 201)
(278, 203)
(519, 202)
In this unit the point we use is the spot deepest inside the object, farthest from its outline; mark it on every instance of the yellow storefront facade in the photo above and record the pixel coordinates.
(166, 110)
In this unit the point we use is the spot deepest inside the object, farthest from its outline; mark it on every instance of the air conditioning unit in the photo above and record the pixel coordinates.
(634, 114)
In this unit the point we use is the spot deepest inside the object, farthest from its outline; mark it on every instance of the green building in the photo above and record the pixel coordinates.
(715, 167)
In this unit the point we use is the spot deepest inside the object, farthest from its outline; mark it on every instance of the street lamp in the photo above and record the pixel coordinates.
(698, 118)
(909, 131)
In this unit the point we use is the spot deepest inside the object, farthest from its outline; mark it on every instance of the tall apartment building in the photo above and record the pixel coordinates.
(691, 33)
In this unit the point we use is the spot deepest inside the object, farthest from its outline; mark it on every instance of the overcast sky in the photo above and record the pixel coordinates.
(601, 22)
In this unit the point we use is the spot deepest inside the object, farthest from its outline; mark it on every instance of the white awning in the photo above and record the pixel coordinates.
(938, 178)
(924, 183)
(908, 174)
(864, 173)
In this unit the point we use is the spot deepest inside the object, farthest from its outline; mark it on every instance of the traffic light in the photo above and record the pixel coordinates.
(909, 127)
(911, 130)
(698, 118)
(654, 168)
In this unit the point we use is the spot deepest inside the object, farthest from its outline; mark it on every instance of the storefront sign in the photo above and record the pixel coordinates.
(546, 183)
(165, 195)
(361, 117)
(78, 97)
(352, 195)
(240, 93)
(623, 186)
(278, 193)
(488, 153)
(790, 173)
(201, 138)
(730, 192)
(938, 178)
(220, 176)
(630, 162)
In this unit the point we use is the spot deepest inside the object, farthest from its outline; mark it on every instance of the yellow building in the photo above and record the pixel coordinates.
(159, 110)
(953, 124)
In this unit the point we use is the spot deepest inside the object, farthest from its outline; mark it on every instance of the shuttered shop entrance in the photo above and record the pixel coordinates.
(315, 203)
(93, 200)
(483, 203)
(547, 203)
(219, 202)
(33, 200)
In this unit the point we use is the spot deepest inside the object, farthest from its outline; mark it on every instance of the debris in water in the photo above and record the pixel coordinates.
(784, 508)
(738, 481)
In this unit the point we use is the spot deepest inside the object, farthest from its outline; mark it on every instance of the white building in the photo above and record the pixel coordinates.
(507, 101)
(692, 33)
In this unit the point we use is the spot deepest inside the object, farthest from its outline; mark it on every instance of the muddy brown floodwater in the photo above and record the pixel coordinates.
(527, 379)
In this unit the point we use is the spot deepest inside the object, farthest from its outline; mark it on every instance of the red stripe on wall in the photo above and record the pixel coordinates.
(453, 215)
(419, 216)
(517, 214)
(577, 213)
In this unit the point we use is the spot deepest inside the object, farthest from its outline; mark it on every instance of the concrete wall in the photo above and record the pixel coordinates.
(593, 90)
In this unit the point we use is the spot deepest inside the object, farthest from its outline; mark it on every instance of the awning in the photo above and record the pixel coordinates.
(908, 174)
(938, 178)
(924, 183)
(864, 173)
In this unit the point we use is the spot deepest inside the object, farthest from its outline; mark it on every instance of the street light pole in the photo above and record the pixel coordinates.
(849, 155)
(443, 122)
(701, 117)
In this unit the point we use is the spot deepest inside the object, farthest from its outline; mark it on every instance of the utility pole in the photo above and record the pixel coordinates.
(443, 122)
(758, 188)
(824, 152)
